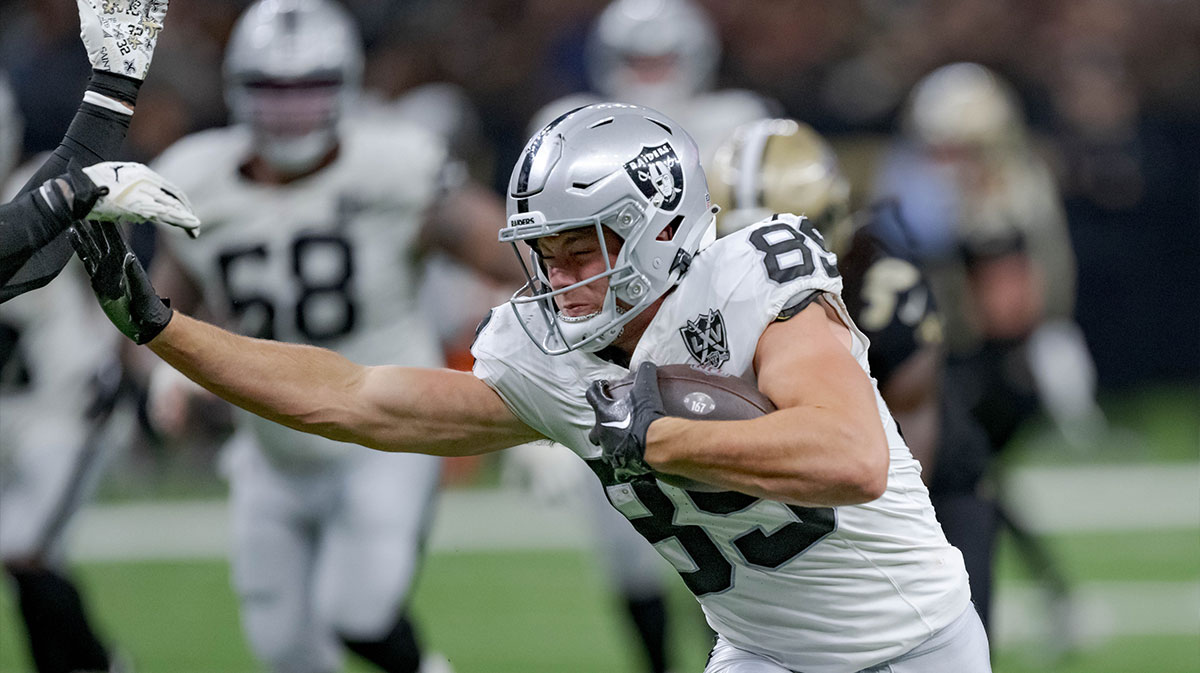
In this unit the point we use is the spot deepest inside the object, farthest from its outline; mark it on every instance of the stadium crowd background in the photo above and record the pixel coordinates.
(1111, 89)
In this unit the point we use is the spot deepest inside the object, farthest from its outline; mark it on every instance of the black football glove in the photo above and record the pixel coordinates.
(622, 422)
(119, 281)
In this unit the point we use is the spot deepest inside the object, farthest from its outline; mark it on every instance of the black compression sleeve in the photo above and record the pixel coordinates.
(95, 135)
(26, 224)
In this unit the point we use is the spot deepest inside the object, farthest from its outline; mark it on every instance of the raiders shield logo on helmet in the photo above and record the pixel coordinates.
(705, 339)
(657, 173)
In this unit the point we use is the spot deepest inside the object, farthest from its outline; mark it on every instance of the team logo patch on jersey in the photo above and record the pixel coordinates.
(657, 173)
(705, 339)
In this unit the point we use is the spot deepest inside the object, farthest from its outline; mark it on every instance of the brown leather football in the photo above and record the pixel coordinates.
(702, 394)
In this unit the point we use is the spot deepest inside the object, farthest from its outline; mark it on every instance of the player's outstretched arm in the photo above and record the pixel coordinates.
(825, 445)
(119, 37)
(303, 387)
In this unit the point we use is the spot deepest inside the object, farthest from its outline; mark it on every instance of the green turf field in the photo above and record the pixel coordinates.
(534, 612)
(1136, 594)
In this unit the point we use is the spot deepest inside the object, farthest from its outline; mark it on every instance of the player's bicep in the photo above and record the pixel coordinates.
(437, 411)
(806, 360)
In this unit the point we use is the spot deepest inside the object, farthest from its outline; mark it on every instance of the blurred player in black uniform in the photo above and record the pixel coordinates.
(120, 42)
(781, 165)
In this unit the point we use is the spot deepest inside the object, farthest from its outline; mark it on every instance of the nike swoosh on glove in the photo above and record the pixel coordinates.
(134, 192)
(622, 421)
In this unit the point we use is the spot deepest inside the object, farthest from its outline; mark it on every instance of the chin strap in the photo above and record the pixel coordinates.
(682, 262)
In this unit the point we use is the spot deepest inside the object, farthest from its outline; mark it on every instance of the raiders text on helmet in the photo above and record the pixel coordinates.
(624, 167)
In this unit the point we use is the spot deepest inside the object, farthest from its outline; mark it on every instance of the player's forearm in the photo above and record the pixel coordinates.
(314, 390)
(26, 224)
(98, 129)
(95, 134)
(303, 387)
(803, 456)
(436, 411)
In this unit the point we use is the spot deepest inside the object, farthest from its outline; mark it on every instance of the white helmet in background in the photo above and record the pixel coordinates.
(623, 167)
(291, 67)
(653, 52)
(964, 105)
(780, 166)
(11, 129)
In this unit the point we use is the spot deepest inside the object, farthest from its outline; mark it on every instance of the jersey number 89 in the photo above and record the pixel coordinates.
(790, 253)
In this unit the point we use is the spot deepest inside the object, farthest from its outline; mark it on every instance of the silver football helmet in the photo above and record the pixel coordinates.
(622, 167)
(291, 67)
(780, 166)
(652, 52)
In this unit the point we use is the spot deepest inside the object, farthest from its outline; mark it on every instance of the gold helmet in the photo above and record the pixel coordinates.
(964, 105)
(779, 166)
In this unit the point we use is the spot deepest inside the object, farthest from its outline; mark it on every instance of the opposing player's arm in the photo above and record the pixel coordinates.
(464, 224)
(824, 446)
(96, 131)
(912, 393)
(436, 411)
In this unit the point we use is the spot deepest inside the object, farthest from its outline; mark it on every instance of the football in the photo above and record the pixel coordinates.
(703, 394)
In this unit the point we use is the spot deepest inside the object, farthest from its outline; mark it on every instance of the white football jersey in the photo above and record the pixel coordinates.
(820, 590)
(328, 259)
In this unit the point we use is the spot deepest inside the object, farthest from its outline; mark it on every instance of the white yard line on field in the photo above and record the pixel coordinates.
(1053, 500)
(1106, 498)
(1096, 611)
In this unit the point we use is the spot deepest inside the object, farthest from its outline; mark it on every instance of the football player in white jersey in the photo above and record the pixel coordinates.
(662, 54)
(820, 551)
(317, 222)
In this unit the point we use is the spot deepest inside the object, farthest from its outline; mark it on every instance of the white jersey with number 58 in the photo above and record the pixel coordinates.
(820, 590)
(328, 259)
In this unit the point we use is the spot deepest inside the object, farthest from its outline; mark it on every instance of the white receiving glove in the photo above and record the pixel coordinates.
(119, 35)
(137, 193)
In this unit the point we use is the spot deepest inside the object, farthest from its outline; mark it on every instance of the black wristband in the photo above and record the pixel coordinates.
(117, 87)
(55, 201)
(54, 215)
(85, 192)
